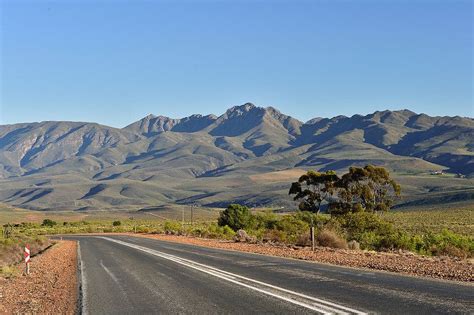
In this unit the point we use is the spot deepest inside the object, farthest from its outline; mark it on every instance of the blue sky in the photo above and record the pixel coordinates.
(114, 62)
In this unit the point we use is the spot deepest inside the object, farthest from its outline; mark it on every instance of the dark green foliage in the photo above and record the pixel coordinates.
(372, 232)
(117, 223)
(236, 217)
(293, 227)
(48, 223)
(264, 220)
(365, 189)
(361, 189)
(313, 188)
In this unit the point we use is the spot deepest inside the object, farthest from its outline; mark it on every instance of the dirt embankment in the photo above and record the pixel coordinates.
(51, 287)
(408, 263)
(13, 254)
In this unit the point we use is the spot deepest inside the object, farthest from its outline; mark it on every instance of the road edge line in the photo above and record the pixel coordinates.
(323, 305)
(82, 284)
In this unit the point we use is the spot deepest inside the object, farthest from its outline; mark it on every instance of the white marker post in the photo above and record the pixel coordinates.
(27, 259)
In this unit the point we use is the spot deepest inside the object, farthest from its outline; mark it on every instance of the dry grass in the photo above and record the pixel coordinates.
(279, 176)
(460, 220)
(328, 238)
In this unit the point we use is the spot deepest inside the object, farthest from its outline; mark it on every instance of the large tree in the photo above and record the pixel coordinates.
(370, 189)
(312, 188)
(361, 189)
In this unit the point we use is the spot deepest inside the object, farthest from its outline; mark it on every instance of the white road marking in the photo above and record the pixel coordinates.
(109, 272)
(309, 302)
(83, 280)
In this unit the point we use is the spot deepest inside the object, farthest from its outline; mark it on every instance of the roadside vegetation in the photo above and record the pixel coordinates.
(356, 204)
(11, 249)
(458, 219)
(348, 212)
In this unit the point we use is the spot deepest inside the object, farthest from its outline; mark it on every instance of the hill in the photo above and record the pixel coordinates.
(249, 155)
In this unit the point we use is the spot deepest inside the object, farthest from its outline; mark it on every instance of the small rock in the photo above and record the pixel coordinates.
(242, 236)
(354, 245)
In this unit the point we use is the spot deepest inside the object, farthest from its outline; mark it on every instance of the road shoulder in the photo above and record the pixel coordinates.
(51, 287)
(405, 263)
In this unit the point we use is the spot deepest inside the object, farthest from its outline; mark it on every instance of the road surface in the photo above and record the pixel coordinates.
(129, 275)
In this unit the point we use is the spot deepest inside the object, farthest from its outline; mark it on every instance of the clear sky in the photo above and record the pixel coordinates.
(114, 62)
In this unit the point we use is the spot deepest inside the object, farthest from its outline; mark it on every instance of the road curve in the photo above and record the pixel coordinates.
(124, 275)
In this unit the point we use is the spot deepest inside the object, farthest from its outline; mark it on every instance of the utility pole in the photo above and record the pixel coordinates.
(192, 214)
(182, 224)
(134, 225)
(312, 233)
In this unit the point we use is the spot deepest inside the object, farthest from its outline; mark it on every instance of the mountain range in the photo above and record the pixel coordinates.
(247, 155)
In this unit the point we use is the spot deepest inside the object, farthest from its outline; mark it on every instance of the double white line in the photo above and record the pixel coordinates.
(306, 301)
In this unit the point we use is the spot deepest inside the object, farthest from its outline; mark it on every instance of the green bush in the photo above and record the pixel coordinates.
(48, 223)
(117, 223)
(213, 230)
(265, 220)
(236, 217)
(372, 232)
(172, 227)
(293, 228)
(316, 220)
(358, 223)
(448, 243)
(143, 229)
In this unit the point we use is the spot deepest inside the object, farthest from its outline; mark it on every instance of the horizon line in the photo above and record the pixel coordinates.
(234, 106)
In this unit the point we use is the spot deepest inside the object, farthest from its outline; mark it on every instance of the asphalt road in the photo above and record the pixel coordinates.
(128, 275)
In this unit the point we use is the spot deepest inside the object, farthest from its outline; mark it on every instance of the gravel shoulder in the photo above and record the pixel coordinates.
(407, 263)
(51, 287)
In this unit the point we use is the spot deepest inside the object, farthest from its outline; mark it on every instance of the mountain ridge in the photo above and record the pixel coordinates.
(158, 159)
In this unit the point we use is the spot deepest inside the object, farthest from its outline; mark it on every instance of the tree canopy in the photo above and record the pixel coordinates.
(312, 188)
(361, 189)
(235, 216)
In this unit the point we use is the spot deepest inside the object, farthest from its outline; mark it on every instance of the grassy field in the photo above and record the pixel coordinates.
(459, 220)
(13, 215)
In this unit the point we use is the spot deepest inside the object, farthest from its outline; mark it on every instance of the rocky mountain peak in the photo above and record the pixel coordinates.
(241, 109)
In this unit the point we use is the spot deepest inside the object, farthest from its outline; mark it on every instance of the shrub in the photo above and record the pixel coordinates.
(312, 218)
(450, 250)
(274, 235)
(172, 227)
(117, 223)
(448, 243)
(215, 231)
(293, 227)
(266, 220)
(304, 239)
(360, 222)
(143, 229)
(48, 223)
(236, 217)
(8, 271)
(329, 238)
